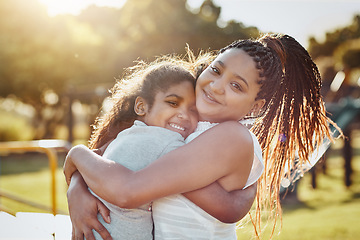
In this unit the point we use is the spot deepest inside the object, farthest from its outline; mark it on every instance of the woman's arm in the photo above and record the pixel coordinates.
(227, 207)
(226, 157)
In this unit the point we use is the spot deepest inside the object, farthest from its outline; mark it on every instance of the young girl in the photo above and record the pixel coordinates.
(159, 94)
(272, 78)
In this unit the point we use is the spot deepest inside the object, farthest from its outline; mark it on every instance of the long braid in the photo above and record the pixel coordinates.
(293, 122)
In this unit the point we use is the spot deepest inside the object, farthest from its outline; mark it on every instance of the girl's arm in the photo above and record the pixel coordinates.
(83, 209)
(203, 161)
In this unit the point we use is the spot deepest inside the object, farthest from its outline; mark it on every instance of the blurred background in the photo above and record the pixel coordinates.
(59, 58)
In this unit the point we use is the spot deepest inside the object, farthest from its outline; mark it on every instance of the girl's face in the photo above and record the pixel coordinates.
(174, 109)
(227, 89)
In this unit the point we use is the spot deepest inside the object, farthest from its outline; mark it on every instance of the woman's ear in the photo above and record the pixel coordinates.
(140, 106)
(258, 105)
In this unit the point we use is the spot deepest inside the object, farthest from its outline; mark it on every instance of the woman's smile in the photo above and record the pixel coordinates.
(209, 97)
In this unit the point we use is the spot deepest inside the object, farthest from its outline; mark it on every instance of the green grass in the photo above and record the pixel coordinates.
(28, 176)
(329, 212)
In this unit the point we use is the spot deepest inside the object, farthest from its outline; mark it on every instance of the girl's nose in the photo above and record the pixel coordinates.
(183, 114)
(217, 86)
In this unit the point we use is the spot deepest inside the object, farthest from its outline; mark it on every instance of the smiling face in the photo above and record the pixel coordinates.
(227, 89)
(173, 109)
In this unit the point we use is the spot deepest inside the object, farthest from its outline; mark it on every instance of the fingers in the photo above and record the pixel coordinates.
(85, 230)
(73, 233)
(76, 235)
(104, 212)
(89, 234)
(99, 228)
(67, 171)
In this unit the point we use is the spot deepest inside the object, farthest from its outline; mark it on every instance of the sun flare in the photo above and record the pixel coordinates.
(74, 7)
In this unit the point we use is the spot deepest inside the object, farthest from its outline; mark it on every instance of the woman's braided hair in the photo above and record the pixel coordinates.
(293, 122)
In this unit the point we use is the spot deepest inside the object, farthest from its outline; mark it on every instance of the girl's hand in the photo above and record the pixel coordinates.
(83, 209)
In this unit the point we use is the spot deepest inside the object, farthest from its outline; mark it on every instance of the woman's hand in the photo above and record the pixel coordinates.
(227, 207)
(83, 209)
(69, 166)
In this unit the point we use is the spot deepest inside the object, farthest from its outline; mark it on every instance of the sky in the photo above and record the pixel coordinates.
(298, 18)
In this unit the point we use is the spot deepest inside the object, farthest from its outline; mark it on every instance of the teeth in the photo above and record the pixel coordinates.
(177, 127)
(208, 96)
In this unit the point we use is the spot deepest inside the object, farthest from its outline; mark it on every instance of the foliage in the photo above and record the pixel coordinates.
(339, 52)
(13, 128)
(70, 56)
(334, 39)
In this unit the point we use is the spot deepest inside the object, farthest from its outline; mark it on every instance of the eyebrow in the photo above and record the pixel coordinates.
(236, 76)
(174, 95)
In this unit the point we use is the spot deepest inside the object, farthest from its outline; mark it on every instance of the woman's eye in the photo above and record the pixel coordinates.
(236, 86)
(215, 70)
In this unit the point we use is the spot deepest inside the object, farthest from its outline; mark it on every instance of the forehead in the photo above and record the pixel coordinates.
(238, 62)
(178, 89)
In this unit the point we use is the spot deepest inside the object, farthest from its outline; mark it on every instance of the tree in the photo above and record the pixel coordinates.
(341, 48)
(334, 39)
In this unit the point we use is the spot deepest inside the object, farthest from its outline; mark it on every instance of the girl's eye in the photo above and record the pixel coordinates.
(172, 103)
(237, 86)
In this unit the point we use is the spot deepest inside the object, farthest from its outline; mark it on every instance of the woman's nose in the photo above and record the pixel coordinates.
(217, 86)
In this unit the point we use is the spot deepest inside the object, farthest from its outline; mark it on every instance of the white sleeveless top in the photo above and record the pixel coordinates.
(176, 217)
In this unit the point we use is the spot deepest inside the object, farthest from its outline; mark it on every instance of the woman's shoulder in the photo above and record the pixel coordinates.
(233, 130)
(227, 136)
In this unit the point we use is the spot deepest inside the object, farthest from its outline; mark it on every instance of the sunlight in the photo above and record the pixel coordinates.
(55, 7)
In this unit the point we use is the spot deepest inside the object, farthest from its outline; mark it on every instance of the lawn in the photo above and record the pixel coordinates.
(331, 211)
(28, 176)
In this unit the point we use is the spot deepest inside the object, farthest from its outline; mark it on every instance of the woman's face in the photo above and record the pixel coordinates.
(227, 89)
(174, 109)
